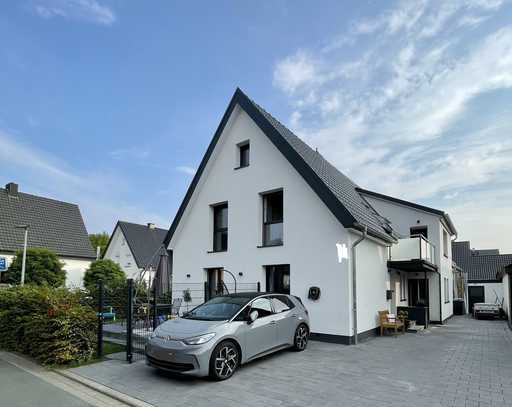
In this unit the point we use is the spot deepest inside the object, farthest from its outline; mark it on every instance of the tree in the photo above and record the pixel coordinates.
(105, 270)
(101, 240)
(42, 267)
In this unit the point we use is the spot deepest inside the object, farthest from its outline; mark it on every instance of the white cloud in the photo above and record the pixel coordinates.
(186, 169)
(100, 194)
(84, 10)
(294, 72)
(399, 111)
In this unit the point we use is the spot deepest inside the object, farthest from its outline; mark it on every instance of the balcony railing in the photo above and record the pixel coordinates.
(413, 248)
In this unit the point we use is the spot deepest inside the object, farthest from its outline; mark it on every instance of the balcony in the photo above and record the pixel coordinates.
(414, 253)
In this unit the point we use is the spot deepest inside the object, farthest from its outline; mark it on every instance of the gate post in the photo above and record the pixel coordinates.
(129, 322)
(100, 298)
(155, 312)
(259, 286)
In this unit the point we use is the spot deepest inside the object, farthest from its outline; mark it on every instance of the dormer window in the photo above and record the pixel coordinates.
(243, 154)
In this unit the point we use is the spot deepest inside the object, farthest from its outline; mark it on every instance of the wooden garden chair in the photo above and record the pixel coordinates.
(386, 324)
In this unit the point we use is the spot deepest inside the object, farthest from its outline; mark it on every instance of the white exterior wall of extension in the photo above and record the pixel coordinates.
(119, 252)
(507, 305)
(311, 233)
(402, 219)
(494, 292)
(75, 269)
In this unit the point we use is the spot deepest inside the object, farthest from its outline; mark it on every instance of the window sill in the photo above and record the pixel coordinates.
(240, 167)
(216, 251)
(270, 245)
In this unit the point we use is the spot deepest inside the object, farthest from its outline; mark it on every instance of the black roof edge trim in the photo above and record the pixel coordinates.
(424, 208)
(311, 178)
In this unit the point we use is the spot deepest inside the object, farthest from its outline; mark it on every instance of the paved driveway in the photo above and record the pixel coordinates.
(463, 363)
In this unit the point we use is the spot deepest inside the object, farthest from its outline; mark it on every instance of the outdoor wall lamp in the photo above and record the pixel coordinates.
(240, 274)
(188, 275)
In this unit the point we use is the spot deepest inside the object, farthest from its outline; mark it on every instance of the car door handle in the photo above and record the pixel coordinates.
(294, 315)
(272, 322)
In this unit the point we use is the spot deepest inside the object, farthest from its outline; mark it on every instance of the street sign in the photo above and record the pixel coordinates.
(3, 264)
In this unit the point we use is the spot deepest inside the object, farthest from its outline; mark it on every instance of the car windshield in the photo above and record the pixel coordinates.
(218, 309)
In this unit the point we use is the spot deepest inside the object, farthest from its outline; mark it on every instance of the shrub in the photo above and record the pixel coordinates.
(42, 267)
(50, 324)
(105, 270)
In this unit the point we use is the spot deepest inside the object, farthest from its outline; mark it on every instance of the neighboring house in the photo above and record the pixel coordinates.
(135, 247)
(54, 225)
(430, 276)
(483, 268)
(505, 276)
(266, 207)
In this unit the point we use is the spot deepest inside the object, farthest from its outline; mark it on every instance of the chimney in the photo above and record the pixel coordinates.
(151, 225)
(12, 189)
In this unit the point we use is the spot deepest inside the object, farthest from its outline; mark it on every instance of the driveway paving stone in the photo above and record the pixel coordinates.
(460, 364)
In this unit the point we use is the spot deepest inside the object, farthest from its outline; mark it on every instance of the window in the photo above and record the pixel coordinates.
(273, 219)
(446, 290)
(243, 150)
(220, 228)
(263, 306)
(282, 304)
(445, 243)
(403, 287)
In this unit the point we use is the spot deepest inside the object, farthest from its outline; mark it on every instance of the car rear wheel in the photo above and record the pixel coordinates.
(301, 337)
(224, 360)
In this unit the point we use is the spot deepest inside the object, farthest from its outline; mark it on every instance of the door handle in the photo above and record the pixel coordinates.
(294, 315)
(272, 322)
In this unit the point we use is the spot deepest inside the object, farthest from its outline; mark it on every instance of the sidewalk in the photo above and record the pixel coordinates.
(24, 383)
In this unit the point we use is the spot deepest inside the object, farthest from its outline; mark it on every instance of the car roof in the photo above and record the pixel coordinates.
(251, 294)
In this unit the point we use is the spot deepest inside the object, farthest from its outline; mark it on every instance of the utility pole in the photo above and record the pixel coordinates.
(24, 260)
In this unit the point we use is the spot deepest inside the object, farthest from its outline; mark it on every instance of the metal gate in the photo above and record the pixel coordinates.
(128, 313)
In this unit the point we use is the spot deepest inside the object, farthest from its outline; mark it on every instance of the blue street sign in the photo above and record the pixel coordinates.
(3, 264)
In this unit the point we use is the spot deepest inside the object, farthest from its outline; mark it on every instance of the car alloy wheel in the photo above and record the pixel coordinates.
(225, 359)
(301, 337)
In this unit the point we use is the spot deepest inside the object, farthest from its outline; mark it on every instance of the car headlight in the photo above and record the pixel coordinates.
(199, 340)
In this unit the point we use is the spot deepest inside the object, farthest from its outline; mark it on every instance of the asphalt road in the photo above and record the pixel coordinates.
(19, 388)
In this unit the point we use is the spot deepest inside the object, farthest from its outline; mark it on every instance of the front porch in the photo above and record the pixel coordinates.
(413, 276)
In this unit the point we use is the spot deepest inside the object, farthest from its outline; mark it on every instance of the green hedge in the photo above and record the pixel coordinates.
(53, 325)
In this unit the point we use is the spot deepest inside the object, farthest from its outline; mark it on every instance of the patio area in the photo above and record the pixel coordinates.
(463, 363)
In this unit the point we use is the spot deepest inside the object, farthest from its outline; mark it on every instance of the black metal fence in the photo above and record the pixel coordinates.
(127, 315)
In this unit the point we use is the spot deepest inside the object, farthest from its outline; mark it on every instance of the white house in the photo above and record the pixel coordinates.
(53, 225)
(135, 247)
(265, 207)
(428, 276)
(483, 268)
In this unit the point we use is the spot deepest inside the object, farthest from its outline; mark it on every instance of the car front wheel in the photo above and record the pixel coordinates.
(301, 338)
(224, 360)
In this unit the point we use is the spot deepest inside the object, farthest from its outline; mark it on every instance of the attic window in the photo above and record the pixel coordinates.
(243, 154)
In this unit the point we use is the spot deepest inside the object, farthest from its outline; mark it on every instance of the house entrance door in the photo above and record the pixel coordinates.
(215, 279)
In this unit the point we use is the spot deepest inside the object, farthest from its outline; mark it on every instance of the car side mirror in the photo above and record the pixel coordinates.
(253, 316)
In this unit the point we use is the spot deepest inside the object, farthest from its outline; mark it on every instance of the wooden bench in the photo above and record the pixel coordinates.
(386, 324)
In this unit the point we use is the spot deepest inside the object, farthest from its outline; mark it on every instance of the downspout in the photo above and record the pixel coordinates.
(354, 279)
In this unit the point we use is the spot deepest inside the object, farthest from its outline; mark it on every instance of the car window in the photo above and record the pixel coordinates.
(263, 306)
(281, 303)
(217, 309)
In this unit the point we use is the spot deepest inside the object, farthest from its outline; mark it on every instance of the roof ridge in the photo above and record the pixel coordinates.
(39, 197)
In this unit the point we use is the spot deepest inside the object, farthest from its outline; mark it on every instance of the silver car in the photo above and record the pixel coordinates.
(227, 331)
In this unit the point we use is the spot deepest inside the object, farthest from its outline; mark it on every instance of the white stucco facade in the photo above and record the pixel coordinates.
(507, 297)
(403, 218)
(310, 234)
(75, 269)
(119, 251)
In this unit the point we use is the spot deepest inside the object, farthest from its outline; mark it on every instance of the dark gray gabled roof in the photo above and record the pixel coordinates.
(54, 225)
(336, 190)
(480, 267)
(144, 242)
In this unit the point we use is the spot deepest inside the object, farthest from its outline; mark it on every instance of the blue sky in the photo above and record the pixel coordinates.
(111, 104)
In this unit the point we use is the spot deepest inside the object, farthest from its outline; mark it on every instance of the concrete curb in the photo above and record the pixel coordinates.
(116, 395)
